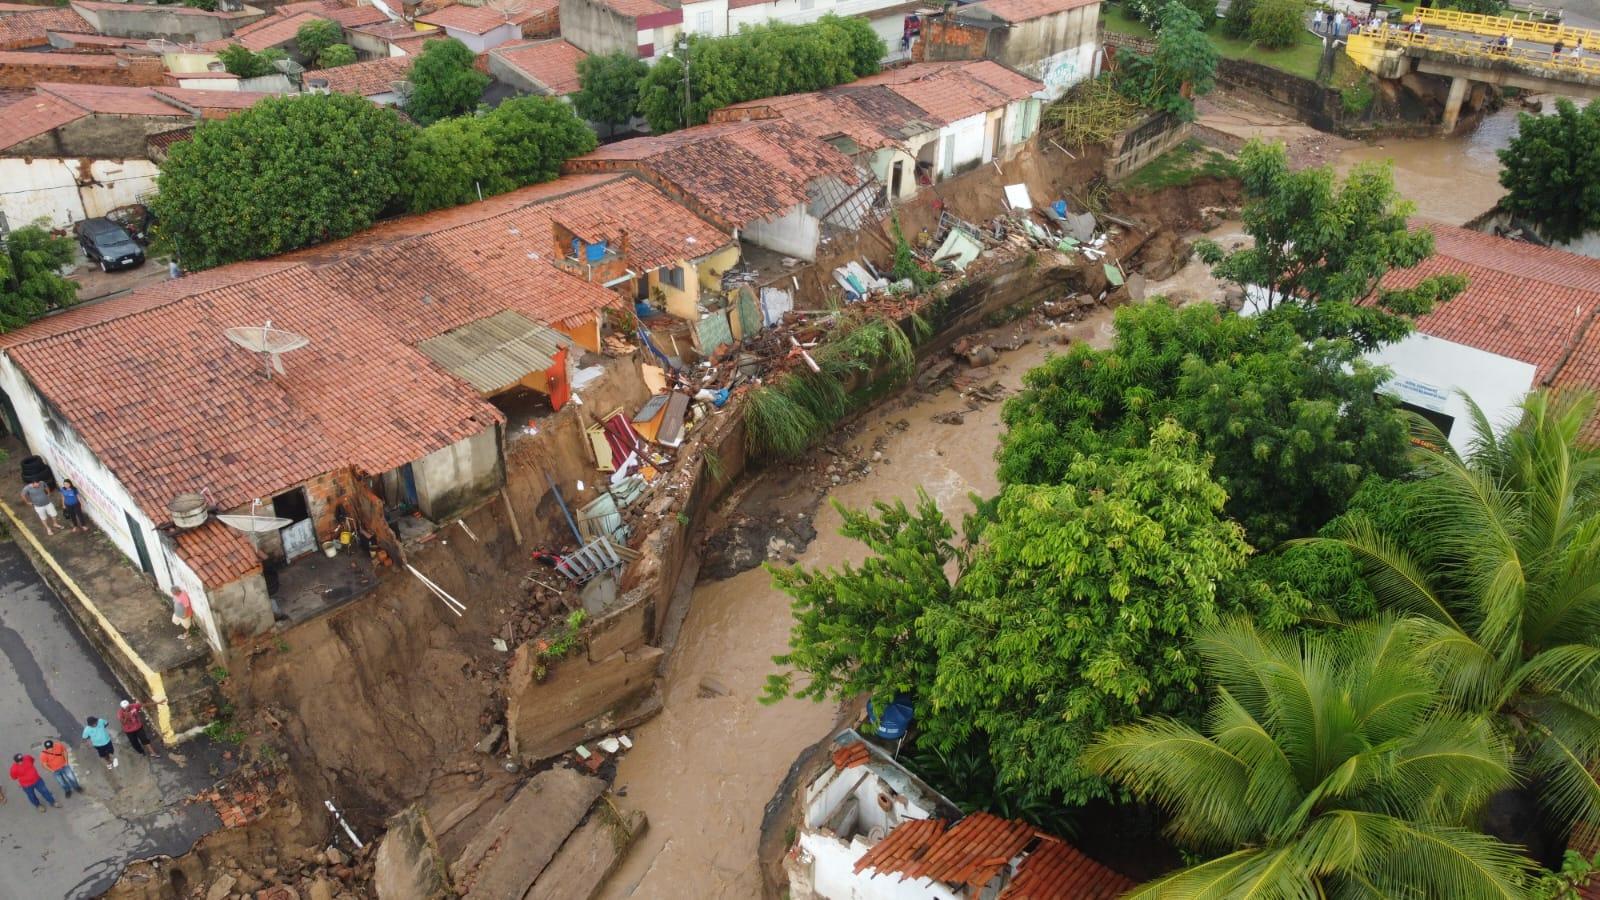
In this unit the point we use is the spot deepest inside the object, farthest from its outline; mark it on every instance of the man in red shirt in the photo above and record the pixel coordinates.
(27, 777)
(131, 715)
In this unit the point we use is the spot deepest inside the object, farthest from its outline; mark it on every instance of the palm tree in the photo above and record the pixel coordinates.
(1503, 562)
(1330, 766)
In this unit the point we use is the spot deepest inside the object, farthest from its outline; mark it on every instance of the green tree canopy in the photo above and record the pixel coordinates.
(443, 82)
(1294, 426)
(287, 172)
(1551, 171)
(759, 61)
(31, 283)
(316, 36)
(242, 61)
(534, 136)
(1183, 66)
(335, 55)
(1500, 555)
(1321, 247)
(1276, 24)
(1071, 609)
(1328, 767)
(449, 163)
(608, 88)
(1076, 610)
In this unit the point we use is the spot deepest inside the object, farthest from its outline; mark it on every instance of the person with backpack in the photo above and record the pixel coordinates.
(58, 762)
(26, 775)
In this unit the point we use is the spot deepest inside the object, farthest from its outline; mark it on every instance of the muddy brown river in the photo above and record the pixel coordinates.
(705, 767)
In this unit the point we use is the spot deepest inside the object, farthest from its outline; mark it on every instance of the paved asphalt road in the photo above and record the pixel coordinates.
(50, 680)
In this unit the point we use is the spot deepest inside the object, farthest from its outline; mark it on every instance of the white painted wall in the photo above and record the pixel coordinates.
(706, 17)
(480, 43)
(961, 143)
(186, 578)
(1432, 373)
(47, 188)
(794, 233)
(833, 874)
(1065, 69)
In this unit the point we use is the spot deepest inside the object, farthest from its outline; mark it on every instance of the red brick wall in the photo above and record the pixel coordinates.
(139, 71)
(542, 24)
(943, 40)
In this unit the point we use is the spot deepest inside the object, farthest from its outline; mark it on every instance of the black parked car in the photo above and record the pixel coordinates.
(108, 244)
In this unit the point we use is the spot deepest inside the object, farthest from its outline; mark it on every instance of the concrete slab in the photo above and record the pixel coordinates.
(53, 679)
(588, 856)
(505, 858)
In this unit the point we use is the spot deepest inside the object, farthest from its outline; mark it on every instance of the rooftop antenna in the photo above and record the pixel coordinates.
(270, 342)
(254, 524)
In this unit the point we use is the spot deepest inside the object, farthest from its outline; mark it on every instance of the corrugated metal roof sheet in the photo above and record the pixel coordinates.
(496, 352)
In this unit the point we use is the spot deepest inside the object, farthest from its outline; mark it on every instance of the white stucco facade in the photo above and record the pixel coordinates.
(49, 188)
(1432, 373)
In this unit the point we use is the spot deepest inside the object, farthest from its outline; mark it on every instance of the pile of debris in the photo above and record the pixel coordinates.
(311, 873)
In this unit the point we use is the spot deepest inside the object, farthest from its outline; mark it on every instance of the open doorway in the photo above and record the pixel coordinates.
(300, 536)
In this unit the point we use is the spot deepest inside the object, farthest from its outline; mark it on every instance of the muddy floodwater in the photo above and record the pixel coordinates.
(704, 768)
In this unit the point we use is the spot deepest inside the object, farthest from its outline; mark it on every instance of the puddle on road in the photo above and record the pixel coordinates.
(704, 768)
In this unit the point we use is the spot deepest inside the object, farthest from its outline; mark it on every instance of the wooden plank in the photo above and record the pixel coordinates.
(671, 432)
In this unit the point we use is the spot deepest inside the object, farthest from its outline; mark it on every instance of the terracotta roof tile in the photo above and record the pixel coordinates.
(530, 9)
(1059, 871)
(211, 104)
(166, 140)
(393, 29)
(112, 99)
(175, 10)
(65, 60)
(169, 405)
(375, 76)
(852, 755)
(28, 29)
(553, 64)
(413, 44)
(1024, 10)
(739, 173)
(273, 31)
(972, 852)
(637, 9)
(1522, 301)
(471, 19)
(33, 115)
(948, 92)
(218, 554)
(873, 116)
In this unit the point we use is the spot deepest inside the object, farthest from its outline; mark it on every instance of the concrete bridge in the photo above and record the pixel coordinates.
(1392, 52)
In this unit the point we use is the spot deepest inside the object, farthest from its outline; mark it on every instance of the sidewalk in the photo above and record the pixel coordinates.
(120, 611)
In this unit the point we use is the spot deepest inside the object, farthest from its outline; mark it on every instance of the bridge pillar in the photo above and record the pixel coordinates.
(1452, 102)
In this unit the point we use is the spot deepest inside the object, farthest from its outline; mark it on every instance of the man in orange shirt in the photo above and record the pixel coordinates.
(59, 763)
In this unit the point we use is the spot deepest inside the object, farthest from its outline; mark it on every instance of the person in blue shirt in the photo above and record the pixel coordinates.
(99, 736)
(72, 507)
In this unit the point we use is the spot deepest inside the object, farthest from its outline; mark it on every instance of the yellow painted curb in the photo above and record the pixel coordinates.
(152, 678)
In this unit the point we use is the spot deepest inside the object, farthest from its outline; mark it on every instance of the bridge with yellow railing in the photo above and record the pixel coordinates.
(1516, 29)
(1393, 52)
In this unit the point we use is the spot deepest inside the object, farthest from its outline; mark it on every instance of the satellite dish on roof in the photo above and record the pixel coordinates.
(254, 524)
(270, 342)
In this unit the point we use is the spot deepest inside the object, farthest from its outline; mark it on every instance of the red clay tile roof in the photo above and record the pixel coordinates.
(173, 9)
(7, 8)
(1059, 871)
(851, 755)
(273, 31)
(528, 9)
(28, 29)
(211, 104)
(413, 45)
(1522, 301)
(1024, 10)
(375, 76)
(348, 16)
(738, 173)
(112, 99)
(33, 115)
(972, 852)
(553, 64)
(167, 139)
(951, 91)
(65, 60)
(471, 19)
(637, 9)
(391, 29)
(218, 554)
(168, 404)
(873, 116)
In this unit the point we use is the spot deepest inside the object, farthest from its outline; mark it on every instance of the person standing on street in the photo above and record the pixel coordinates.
(25, 774)
(72, 507)
(131, 715)
(99, 736)
(58, 761)
(38, 496)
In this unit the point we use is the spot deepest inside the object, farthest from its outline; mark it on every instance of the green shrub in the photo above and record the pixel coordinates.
(1275, 24)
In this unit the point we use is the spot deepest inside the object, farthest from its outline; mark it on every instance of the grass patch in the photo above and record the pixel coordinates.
(1300, 60)
(1179, 166)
